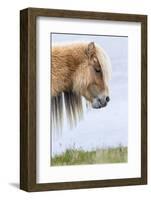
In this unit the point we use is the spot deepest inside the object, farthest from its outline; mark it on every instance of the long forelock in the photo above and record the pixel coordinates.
(104, 63)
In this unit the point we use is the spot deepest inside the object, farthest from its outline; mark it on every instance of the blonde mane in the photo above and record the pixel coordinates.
(73, 110)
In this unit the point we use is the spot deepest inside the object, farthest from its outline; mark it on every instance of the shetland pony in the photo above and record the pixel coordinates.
(78, 70)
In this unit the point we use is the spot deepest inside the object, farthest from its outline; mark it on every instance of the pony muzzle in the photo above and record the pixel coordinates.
(100, 102)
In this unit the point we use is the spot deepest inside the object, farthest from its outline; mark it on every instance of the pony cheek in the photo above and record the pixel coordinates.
(88, 96)
(94, 91)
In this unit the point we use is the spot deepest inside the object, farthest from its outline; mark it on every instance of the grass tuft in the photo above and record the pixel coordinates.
(98, 156)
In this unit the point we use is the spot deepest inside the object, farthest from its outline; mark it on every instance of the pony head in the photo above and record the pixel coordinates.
(91, 79)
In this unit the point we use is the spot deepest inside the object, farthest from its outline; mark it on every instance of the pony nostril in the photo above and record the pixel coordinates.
(107, 99)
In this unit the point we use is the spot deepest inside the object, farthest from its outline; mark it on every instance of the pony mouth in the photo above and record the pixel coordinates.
(97, 104)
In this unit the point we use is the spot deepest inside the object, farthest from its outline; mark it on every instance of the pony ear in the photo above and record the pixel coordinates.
(91, 50)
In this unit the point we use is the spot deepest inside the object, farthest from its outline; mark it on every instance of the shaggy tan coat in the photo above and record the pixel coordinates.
(65, 62)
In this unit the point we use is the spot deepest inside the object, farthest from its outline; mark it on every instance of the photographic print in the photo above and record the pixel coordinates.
(89, 99)
(83, 99)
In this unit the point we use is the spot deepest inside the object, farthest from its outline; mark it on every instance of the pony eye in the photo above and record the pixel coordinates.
(97, 70)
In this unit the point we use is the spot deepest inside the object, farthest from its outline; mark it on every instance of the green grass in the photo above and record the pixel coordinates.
(77, 157)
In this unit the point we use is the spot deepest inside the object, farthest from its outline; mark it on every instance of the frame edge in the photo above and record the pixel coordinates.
(23, 99)
(27, 100)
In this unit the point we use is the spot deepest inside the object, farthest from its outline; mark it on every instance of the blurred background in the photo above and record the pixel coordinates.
(107, 127)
